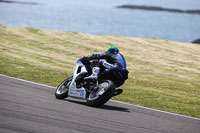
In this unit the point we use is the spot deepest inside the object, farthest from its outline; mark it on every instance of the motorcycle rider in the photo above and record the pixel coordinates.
(114, 68)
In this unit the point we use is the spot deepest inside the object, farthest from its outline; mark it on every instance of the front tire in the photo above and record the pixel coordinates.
(62, 90)
(98, 101)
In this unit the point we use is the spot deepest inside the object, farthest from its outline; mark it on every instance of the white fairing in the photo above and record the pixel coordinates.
(73, 90)
(81, 92)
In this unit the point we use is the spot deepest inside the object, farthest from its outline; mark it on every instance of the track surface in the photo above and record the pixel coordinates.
(31, 108)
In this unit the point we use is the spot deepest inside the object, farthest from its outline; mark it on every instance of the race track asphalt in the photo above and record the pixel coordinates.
(27, 107)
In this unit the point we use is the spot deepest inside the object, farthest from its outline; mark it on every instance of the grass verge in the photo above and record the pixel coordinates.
(163, 75)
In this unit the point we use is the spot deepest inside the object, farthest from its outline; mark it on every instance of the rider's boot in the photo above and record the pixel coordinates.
(117, 92)
(95, 73)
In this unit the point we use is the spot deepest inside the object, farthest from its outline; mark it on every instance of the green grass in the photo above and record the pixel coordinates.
(163, 75)
(18, 68)
(34, 31)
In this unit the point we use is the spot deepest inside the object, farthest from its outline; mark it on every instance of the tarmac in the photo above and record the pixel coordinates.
(28, 107)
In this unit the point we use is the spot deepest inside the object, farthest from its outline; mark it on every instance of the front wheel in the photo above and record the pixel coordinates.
(63, 88)
(108, 89)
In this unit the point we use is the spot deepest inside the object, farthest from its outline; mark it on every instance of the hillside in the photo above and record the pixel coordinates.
(163, 75)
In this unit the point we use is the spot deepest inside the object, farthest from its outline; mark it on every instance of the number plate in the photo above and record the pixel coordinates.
(77, 93)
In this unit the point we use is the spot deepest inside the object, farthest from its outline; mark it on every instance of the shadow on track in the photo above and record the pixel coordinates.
(104, 107)
(114, 108)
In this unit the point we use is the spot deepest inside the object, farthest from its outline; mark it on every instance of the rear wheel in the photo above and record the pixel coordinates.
(63, 88)
(95, 99)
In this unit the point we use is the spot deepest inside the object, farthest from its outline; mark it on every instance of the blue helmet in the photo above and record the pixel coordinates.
(113, 50)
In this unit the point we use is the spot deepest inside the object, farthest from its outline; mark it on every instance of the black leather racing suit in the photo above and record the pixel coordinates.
(114, 68)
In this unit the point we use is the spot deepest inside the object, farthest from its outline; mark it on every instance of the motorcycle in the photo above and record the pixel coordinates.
(95, 92)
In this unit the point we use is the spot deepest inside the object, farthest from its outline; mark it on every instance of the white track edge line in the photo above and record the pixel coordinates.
(110, 100)
(155, 110)
(27, 81)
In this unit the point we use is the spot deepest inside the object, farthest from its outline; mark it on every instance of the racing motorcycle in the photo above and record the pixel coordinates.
(95, 92)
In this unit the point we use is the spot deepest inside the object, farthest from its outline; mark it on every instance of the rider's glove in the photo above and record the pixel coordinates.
(94, 56)
(84, 59)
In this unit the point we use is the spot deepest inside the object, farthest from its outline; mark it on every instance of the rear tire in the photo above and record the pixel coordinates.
(62, 90)
(102, 99)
